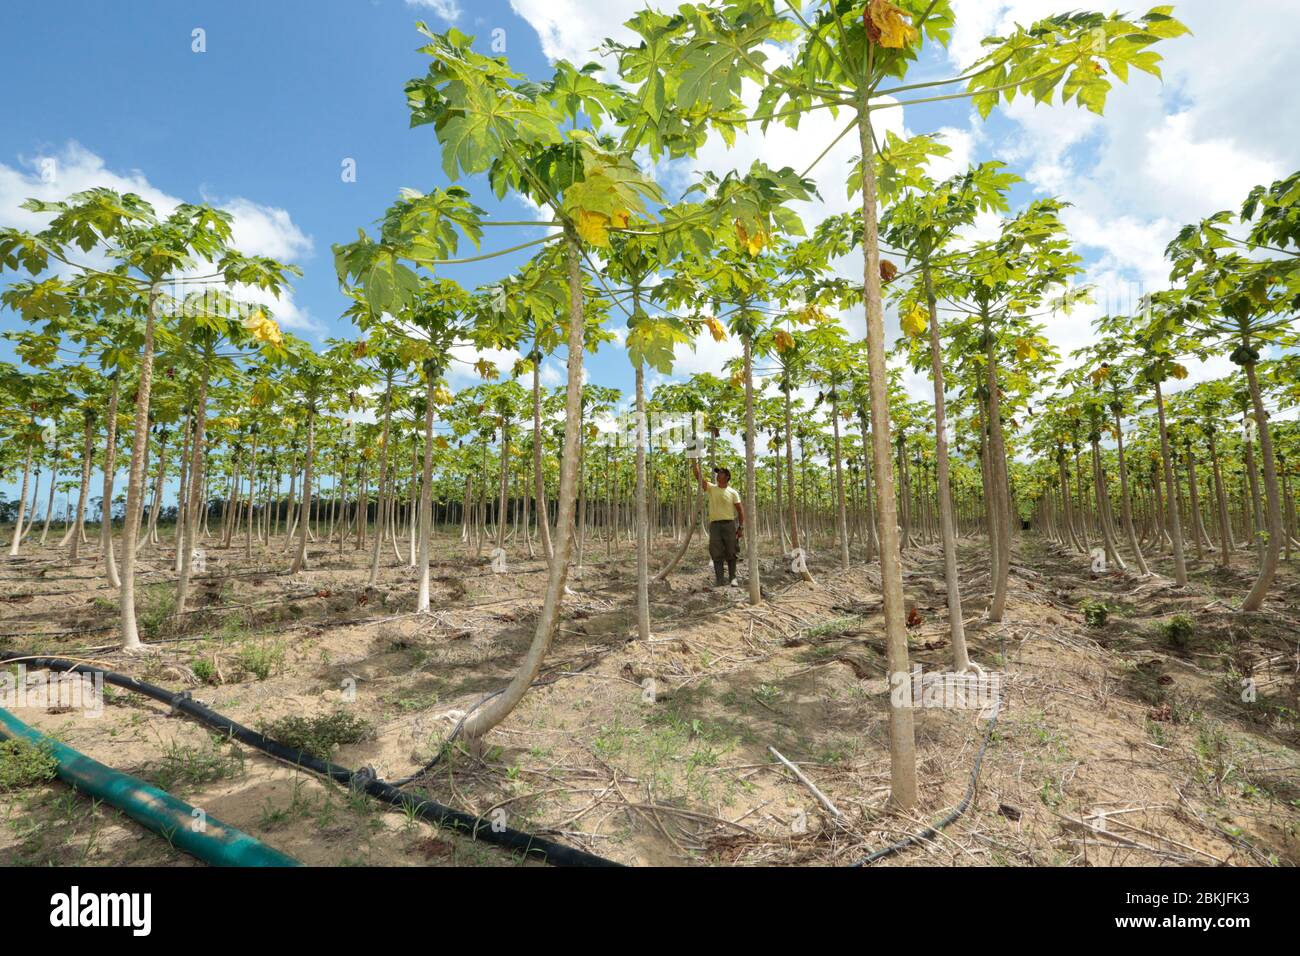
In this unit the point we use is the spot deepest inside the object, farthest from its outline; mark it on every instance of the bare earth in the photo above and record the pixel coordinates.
(1113, 745)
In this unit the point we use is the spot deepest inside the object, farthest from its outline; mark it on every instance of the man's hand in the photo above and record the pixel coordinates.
(740, 531)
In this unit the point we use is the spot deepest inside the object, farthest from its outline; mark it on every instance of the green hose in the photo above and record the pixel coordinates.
(212, 842)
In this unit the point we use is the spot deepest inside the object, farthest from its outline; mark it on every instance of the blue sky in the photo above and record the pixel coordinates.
(281, 96)
(286, 91)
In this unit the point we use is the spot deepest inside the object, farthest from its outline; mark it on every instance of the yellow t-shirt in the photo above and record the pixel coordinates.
(722, 502)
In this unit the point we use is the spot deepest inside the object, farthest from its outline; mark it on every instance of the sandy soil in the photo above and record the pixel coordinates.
(1113, 745)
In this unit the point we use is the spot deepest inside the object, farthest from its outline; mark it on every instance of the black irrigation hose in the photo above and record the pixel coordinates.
(957, 811)
(364, 779)
(934, 828)
(451, 738)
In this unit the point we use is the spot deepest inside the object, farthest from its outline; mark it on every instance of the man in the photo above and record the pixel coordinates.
(726, 522)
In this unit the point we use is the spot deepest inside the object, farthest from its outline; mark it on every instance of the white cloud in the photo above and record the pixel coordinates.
(708, 356)
(265, 231)
(552, 373)
(1164, 154)
(257, 229)
(448, 10)
(1206, 174)
(465, 355)
(572, 29)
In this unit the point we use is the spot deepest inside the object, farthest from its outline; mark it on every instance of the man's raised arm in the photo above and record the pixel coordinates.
(695, 466)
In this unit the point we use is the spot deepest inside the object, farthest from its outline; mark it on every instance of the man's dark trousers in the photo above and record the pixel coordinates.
(723, 547)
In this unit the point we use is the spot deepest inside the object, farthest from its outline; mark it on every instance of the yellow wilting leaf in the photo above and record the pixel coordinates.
(753, 243)
(360, 349)
(1025, 350)
(441, 396)
(263, 328)
(812, 315)
(1178, 371)
(441, 442)
(592, 431)
(736, 379)
(715, 328)
(784, 340)
(888, 26)
(485, 369)
(915, 322)
(593, 227)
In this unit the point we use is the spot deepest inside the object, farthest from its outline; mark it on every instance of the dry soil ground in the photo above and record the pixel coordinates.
(1114, 744)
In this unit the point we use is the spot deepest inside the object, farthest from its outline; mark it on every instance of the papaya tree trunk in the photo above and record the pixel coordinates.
(106, 502)
(751, 474)
(22, 503)
(1126, 506)
(135, 479)
(497, 709)
(943, 486)
(304, 514)
(1171, 499)
(383, 477)
(196, 494)
(78, 522)
(426, 495)
(1273, 512)
(902, 740)
(642, 514)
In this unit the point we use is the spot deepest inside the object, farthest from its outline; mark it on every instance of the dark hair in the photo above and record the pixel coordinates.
(723, 471)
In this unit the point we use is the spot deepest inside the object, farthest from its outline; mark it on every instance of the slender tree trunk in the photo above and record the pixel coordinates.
(943, 486)
(426, 495)
(304, 517)
(383, 475)
(642, 513)
(504, 491)
(751, 473)
(196, 494)
(496, 710)
(841, 513)
(1221, 502)
(87, 456)
(1273, 512)
(1171, 499)
(135, 481)
(106, 503)
(902, 740)
(54, 481)
(1126, 506)
(22, 503)
(997, 461)
(791, 504)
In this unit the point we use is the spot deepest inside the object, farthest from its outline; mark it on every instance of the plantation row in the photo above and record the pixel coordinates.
(160, 364)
